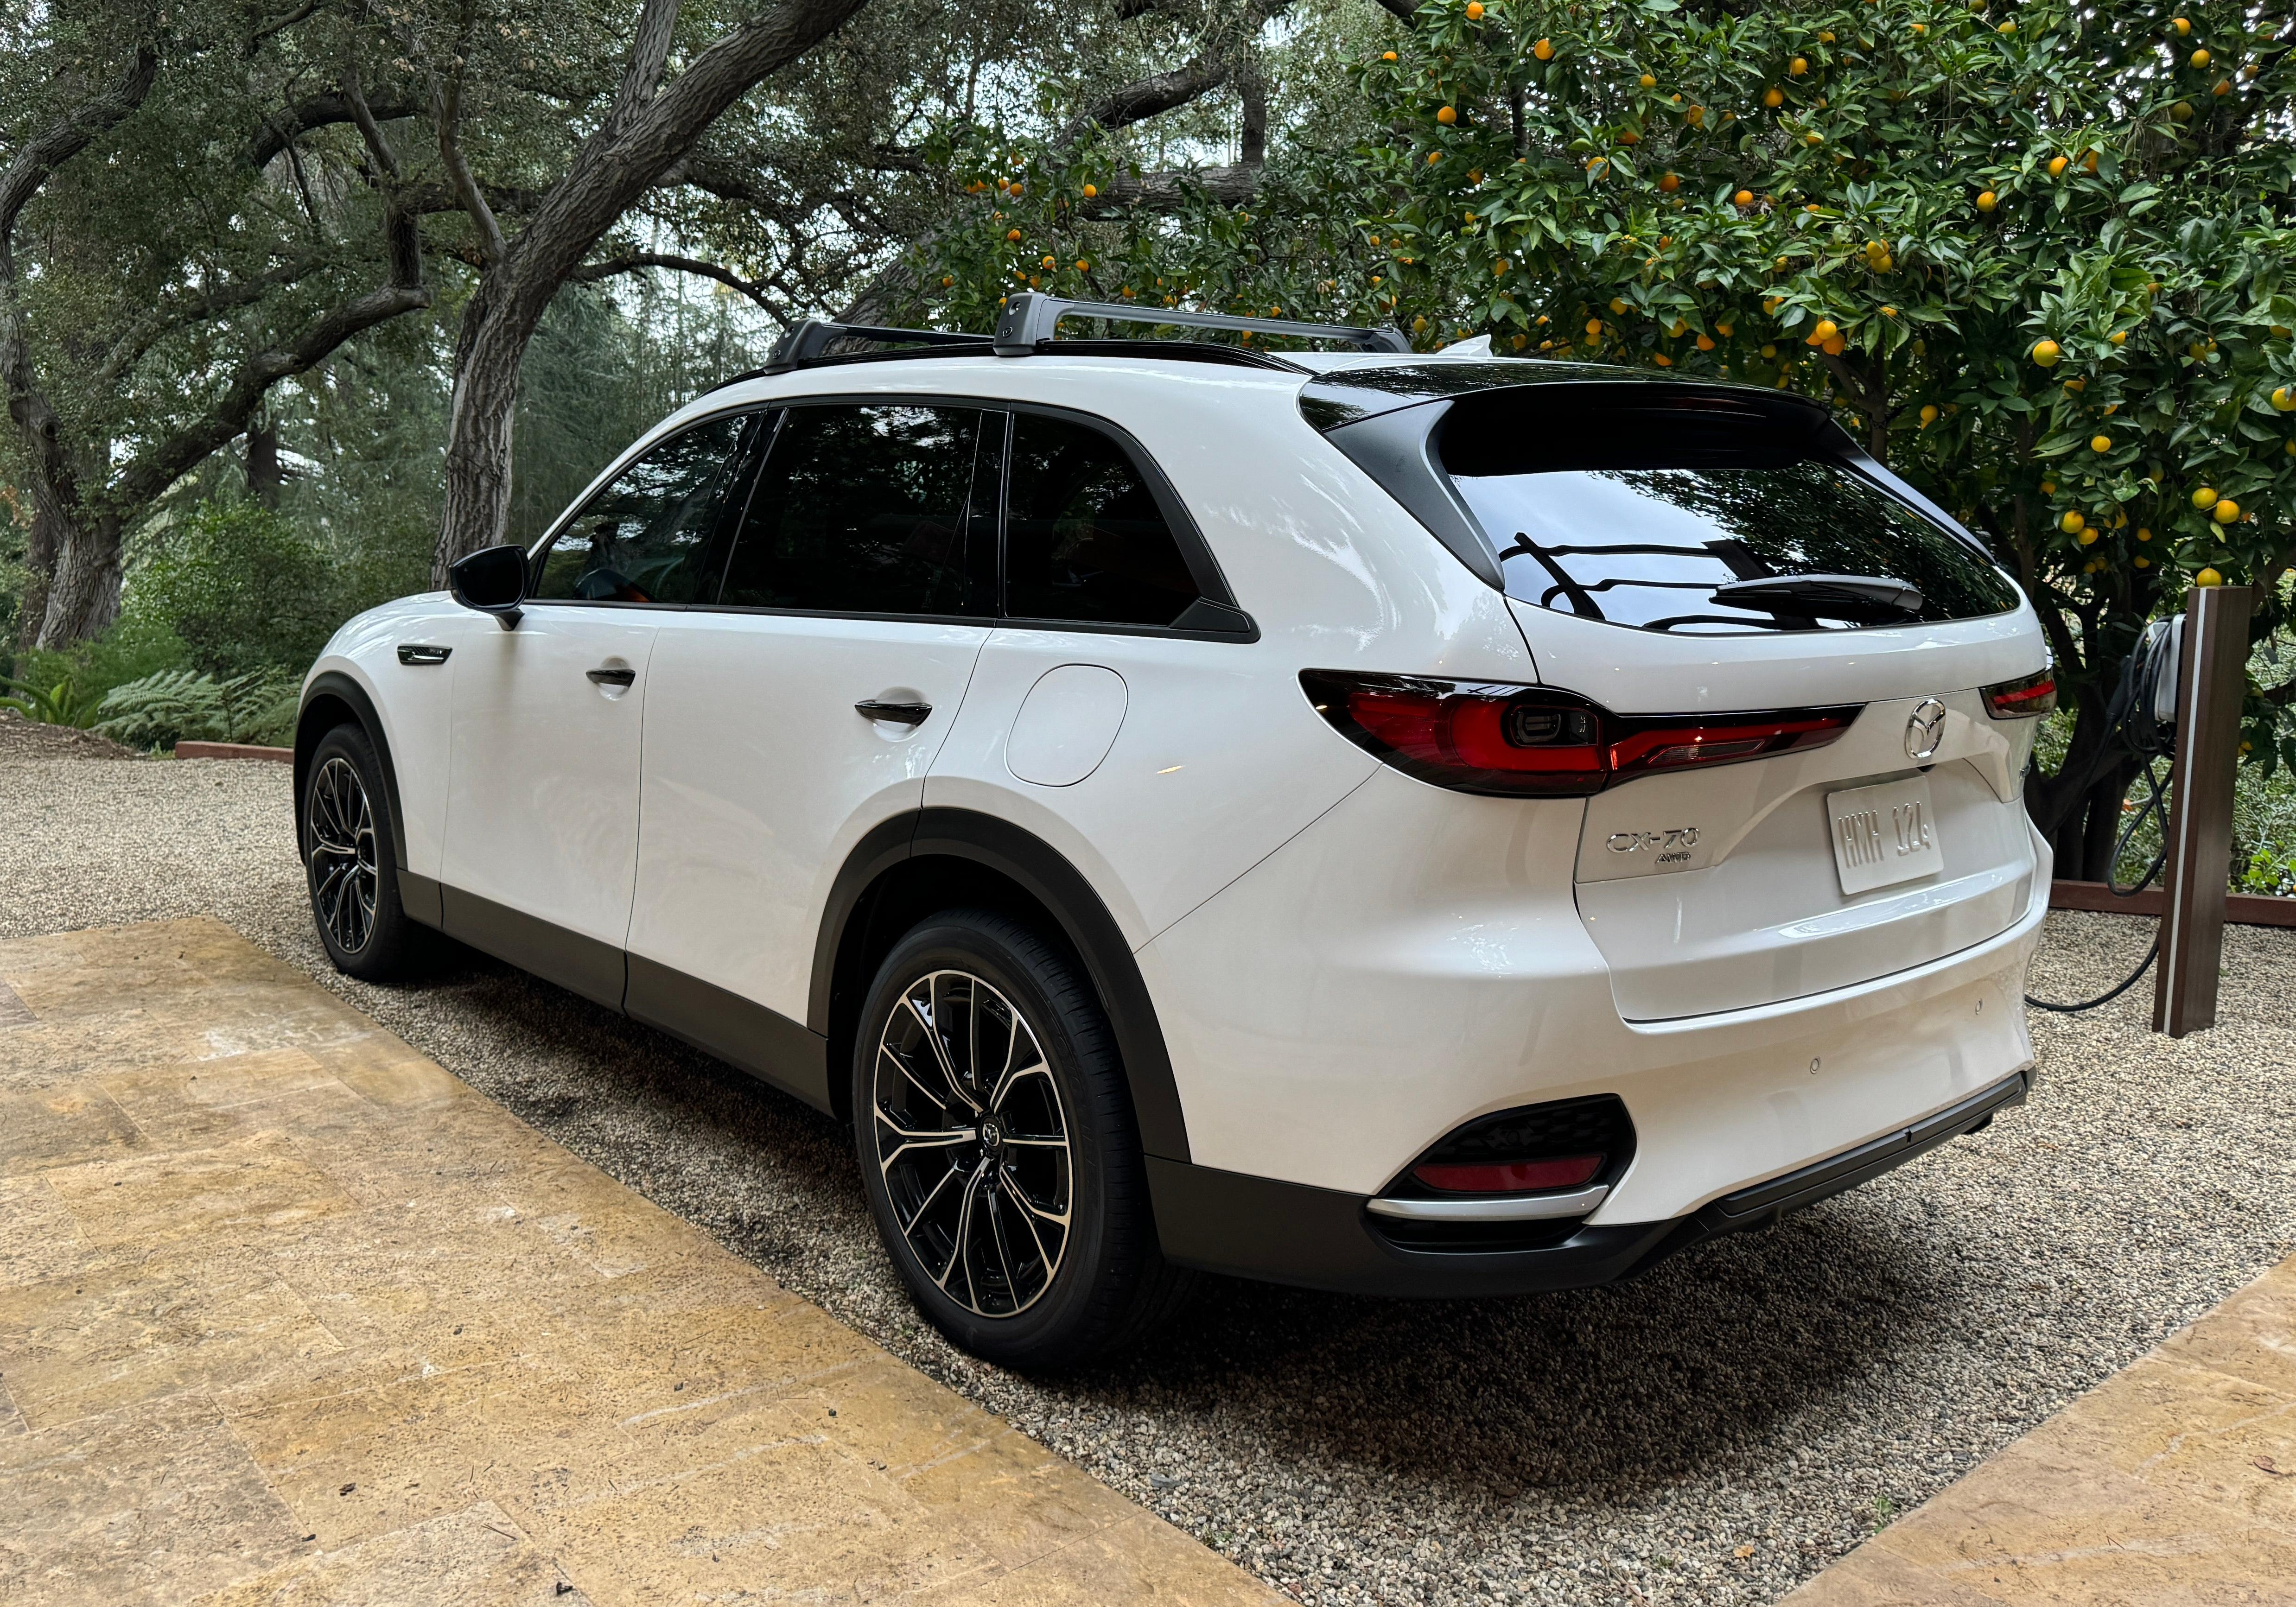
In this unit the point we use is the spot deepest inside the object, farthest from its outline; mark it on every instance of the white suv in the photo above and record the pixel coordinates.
(1405, 825)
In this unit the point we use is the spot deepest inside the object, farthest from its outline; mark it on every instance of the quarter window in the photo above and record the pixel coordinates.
(1084, 537)
(865, 509)
(647, 536)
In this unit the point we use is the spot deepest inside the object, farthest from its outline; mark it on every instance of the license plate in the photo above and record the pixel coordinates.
(1885, 834)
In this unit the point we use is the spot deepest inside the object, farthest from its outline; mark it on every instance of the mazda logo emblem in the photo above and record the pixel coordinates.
(1924, 729)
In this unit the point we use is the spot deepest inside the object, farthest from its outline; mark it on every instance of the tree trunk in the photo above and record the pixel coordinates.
(83, 592)
(476, 511)
(647, 131)
(265, 476)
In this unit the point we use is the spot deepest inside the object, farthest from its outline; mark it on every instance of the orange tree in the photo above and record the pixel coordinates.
(2038, 257)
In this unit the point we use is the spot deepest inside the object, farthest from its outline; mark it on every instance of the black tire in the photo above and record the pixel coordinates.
(1006, 1295)
(350, 862)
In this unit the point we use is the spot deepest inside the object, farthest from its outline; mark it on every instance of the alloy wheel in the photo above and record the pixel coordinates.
(344, 877)
(972, 1142)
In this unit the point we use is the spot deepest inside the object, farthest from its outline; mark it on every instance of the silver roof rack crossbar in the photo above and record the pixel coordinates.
(813, 338)
(1028, 319)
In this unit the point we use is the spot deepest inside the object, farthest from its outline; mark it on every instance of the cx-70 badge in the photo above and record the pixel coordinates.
(1671, 846)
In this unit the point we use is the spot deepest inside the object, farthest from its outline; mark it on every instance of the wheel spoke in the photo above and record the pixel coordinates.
(1027, 1216)
(939, 1049)
(1003, 1250)
(1016, 1066)
(925, 1204)
(885, 1051)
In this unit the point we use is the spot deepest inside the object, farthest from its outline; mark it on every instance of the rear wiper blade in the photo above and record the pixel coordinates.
(1863, 599)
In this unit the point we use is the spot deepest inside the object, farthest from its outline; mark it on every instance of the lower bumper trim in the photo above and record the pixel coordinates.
(1287, 1233)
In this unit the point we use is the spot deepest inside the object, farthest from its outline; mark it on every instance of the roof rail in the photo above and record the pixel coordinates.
(1029, 318)
(812, 339)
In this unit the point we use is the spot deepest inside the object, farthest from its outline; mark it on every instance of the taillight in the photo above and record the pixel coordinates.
(2023, 698)
(1536, 741)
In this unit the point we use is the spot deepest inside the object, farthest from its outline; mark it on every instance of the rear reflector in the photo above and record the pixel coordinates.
(1510, 1178)
(1535, 741)
(2023, 698)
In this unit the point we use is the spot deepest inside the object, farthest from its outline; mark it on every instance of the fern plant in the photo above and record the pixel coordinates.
(182, 705)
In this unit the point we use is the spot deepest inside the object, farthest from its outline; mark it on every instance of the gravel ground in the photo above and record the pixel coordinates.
(1716, 1432)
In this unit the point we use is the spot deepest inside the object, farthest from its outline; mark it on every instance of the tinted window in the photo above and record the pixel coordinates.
(1084, 538)
(646, 537)
(865, 510)
(1635, 514)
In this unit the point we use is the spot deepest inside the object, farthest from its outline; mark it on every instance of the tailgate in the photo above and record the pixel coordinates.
(1724, 889)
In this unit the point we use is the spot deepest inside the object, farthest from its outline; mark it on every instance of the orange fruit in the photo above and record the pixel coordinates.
(2046, 353)
(1836, 345)
(1648, 82)
(1474, 11)
(1929, 414)
(2208, 577)
(2200, 59)
(1090, 190)
(1670, 183)
(2072, 524)
(2183, 24)
(2226, 511)
(1706, 343)
(1448, 115)
(1012, 234)
(1544, 50)
(2204, 498)
(1387, 56)
(1743, 198)
(1084, 264)
(2056, 166)
(2100, 443)
(2284, 399)
(1774, 97)
(1797, 66)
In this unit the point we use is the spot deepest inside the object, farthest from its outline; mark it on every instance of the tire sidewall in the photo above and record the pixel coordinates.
(1077, 1052)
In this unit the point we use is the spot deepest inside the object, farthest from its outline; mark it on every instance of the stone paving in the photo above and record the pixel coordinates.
(2173, 1482)
(288, 1315)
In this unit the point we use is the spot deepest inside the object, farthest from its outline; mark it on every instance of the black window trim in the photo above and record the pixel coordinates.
(1204, 567)
(747, 462)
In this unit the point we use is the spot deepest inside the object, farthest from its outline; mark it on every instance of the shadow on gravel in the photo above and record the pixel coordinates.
(1592, 1394)
(1598, 1395)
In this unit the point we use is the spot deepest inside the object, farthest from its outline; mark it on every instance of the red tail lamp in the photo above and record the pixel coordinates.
(1534, 742)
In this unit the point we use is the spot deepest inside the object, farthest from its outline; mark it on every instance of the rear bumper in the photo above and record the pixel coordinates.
(1287, 1233)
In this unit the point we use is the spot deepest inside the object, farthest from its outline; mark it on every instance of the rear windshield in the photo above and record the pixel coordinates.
(1634, 509)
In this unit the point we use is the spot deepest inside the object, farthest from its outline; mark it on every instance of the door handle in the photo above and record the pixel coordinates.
(423, 652)
(611, 678)
(900, 714)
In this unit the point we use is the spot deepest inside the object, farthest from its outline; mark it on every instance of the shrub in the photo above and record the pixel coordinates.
(242, 589)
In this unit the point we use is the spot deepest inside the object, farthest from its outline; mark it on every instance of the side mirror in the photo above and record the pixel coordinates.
(493, 581)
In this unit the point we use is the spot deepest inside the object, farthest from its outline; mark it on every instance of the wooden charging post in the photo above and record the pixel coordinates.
(2212, 678)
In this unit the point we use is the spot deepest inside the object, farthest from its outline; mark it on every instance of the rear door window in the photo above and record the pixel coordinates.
(1634, 511)
(1085, 539)
(873, 509)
